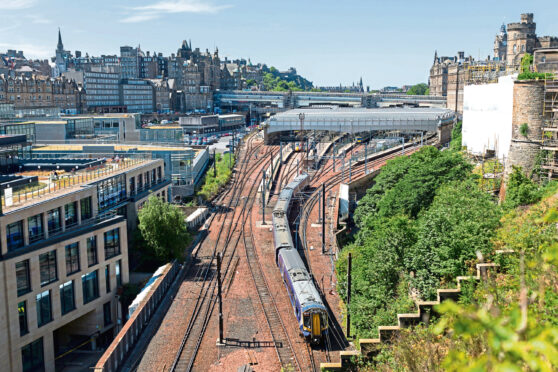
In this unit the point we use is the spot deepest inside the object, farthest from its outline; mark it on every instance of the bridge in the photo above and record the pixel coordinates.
(274, 102)
(355, 120)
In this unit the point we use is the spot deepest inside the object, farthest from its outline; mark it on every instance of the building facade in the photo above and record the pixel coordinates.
(63, 258)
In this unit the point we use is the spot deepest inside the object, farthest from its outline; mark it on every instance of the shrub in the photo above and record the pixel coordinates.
(524, 129)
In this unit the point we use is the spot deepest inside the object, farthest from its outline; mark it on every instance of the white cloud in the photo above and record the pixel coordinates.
(34, 18)
(30, 50)
(156, 10)
(16, 4)
(139, 18)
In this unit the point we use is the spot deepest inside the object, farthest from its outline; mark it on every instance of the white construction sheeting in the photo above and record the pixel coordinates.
(487, 117)
(343, 201)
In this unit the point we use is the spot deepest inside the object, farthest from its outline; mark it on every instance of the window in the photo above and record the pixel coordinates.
(22, 314)
(35, 228)
(14, 235)
(107, 277)
(107, 314)
(111, 192)
(47, 265)
(515, 48)
(86, 210)
(90, 286)
(118, 273)
(54, 222)
(67, 302)
(112, 243)
(70, 214)
(92, 250)
(44, 309)
(159, 176)
(32, 356)
(72, 258)
(23, 278)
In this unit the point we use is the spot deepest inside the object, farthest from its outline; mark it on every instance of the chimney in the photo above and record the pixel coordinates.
(461, 55)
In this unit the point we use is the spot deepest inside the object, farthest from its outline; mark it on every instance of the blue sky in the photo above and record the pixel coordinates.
(330, 42)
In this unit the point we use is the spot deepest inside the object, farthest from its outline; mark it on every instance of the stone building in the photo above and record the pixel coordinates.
(41, 91)
(448, 75)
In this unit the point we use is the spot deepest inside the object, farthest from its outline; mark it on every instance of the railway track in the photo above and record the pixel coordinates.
(285, 352)
(201, 313)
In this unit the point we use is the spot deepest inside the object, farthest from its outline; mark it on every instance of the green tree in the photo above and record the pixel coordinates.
(520, 190)
(456, 142)
(460, 222)
(418, 90)
(163, 229)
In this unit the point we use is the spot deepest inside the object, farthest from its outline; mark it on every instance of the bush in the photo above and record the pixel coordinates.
(535, 76)
(524, 129)
(520, 190)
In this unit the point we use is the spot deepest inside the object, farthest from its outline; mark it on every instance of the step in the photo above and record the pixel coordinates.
(331, 366)
(448, 294)
(387, 332)
(407, 320)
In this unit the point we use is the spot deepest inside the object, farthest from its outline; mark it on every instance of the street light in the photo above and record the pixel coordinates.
(301, 116)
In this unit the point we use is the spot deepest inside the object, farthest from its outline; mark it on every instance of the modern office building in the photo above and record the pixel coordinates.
(64, 251)
(137, 95)
(103, 92)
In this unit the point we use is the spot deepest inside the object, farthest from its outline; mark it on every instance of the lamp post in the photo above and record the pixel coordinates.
(301, 117)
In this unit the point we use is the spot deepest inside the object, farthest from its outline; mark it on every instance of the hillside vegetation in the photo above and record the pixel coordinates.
(427, 220)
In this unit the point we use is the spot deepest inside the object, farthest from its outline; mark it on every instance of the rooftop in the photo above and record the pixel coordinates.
(50, 186)
(109, 148)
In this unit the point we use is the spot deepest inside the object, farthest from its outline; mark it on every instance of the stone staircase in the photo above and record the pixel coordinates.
(370, 347)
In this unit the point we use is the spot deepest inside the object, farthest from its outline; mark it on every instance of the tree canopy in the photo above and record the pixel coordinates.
(418, 90)
(163, 228)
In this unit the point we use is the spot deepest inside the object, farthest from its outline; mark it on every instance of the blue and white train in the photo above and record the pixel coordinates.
(308, 307)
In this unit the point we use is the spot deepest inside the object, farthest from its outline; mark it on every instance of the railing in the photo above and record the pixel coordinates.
(67, 181)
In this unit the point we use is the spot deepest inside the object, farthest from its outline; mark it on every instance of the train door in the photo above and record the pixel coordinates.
(316, 327)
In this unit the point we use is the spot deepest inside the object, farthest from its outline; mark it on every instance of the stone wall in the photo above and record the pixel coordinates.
(528, 100)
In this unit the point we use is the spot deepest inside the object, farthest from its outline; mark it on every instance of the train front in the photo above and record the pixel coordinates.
(314, 323)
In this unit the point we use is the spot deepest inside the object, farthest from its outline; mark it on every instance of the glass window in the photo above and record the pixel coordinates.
(90, 285)
(107, 314)
(159, 176)
(70, 214)
(118, 273)
(35, 228)
(32, 356)
(92, 250)
(22, 313)
(111, 191)
(67, 302)
(14, 235)
(54, 221)
(22, 277)
(47, 265)
(72, 258)
(107, 277)
(86, 209)
(44, 309)
(112, 243)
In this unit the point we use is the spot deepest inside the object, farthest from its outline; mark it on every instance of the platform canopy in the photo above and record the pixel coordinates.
(355, 120)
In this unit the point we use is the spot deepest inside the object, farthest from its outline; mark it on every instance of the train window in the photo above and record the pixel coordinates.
(323, 320)
(307, 320)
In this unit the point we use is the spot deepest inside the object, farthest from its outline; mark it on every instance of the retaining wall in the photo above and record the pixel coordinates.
(116, 353)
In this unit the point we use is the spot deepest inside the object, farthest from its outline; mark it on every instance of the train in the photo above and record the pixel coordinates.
(308, 307)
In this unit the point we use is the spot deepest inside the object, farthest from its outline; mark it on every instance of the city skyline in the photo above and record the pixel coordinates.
(367, 41)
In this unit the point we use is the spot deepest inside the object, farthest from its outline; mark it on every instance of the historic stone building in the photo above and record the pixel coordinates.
(448, 75)
(41, 91)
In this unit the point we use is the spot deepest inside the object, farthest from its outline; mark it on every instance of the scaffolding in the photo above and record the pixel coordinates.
(487, 72)
(549, 164)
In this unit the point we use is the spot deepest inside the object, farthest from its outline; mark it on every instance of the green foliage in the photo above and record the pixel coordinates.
(526, 62)
(406, 185)
(460, 222)
(535, 76)
(524, 129)
(457, 136)
(251, 83)
(163, 229)
(212, 184)
(520, 190)
(273, 81)
(418, 90)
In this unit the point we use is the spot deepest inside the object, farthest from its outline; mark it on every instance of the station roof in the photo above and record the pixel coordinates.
(122, 148)
(361, 119)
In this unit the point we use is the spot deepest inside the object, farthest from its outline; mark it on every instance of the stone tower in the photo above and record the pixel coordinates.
(522, 39)
(59, 61)
(500, 44)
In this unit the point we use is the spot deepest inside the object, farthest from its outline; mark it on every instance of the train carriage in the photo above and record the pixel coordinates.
(308, 307)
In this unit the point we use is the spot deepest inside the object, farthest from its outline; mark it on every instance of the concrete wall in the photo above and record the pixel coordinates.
(487, 117)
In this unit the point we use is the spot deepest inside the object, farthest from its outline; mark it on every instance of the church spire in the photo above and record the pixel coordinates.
(435, 56)
(60, 46)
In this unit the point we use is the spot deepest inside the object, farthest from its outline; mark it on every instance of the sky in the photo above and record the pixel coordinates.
(390, 42)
